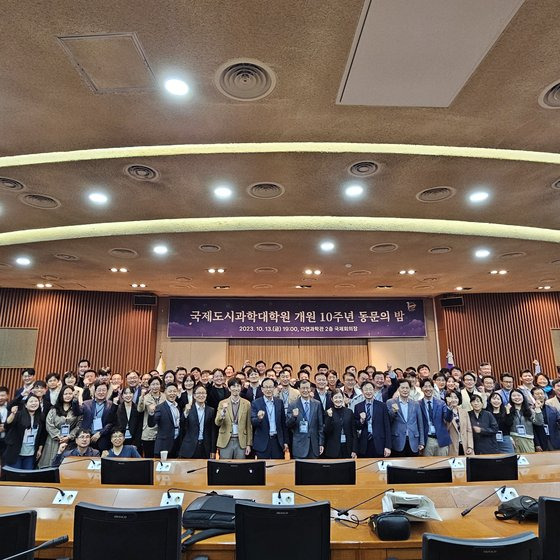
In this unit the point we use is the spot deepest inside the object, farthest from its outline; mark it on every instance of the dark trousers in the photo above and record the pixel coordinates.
(199, 452)
(370, 450)
(406, 451)
(273, 451)
(148, 447)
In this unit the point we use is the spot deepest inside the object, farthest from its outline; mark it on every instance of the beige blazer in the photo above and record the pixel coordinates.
(466, 399)
(245, 428)
(466, 433)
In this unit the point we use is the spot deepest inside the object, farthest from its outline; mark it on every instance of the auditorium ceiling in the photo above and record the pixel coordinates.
(404, 135)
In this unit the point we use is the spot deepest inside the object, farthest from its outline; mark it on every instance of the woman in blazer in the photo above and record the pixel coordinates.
(146, 401)
(460, 429)
(25, 435)
(129, 420)
(484, 427)
(341, 438)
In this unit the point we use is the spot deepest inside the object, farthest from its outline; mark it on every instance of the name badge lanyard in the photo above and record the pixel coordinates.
(31, 432)
(235, 417)
(127, 434)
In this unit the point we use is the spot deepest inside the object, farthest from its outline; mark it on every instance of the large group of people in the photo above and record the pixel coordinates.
(276, 413)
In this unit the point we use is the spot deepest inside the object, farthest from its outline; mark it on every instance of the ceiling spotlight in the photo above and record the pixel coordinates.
(493, 272)
(411, 271)
(221, 287)
(123, 269)
(327, 246)
(98, 198)
(308, 272)
(114, 269)
(303, 287)
(354, 191)
(402, 271)
(223, 192)
(160, 250)
(134, 285)
(482, 253)
(502, 272)
(142, 285)
(176, 87)
(220, 270)
(459, 288)
(23, 261)
(546, 287)
(317, 272)
(48, 285)
(479, 196)
(211, 270)
(40, 285)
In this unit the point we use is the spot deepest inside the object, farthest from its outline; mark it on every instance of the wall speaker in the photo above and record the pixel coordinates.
(145, 300)
(453, 301)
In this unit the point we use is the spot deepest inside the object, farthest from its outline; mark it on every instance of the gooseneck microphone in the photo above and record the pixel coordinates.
(468, 510)
(372, 463)
(438, 462)
(48, 544)
(345, 511)
(212, 493)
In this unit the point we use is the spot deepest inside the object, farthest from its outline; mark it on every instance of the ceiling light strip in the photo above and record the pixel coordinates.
(279, 223)
(279, 147)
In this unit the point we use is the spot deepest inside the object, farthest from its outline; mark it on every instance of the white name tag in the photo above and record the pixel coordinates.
(127, 434)
(545, 426)
(499, 436)
(520, 429)
(342, 437)
(234, 429)
(97, 425)
(29, 436)
(303, 427)
(65, 430)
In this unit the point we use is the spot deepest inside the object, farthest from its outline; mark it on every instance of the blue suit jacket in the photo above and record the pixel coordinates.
(442, 414)
(381, 426)
(163, 419)
(108, 418)
(551, 418)
(261, 428)
(414, 426)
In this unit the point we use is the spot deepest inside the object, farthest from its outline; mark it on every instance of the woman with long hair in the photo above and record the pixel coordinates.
(503, 414)
(525, 417)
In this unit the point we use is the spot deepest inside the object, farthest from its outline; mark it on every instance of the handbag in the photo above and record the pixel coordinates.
(521, 508)
(390, 526)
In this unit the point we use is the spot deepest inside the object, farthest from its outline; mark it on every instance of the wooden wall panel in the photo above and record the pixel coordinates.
(336, 353)
(104, 327)
(507, 330)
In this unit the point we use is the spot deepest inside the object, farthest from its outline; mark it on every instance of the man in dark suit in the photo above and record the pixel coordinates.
(270, 438)
(254, 390)
(435, 414)
(167, 417)
(305, 419)
(27, 378)
(372, 421)
(321, 392)
(198, 428)
(217, 391)
(99, 416)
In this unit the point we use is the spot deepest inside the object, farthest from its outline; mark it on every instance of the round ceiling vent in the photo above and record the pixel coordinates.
(40, 201)
(11, 184)
(245, 80)
(266, 270)
(550, 97)
(384, 248)
(265, 190)
(123, 253)
(50, 277)
(66, 257)
(556, 185)
(422, 287)
(142, 172)
(363, 168)
(439, 250)
(209, 248)
(435, 194)
(359, 273)
(183, 279)
(269, 246)
(344, 286)
(557, 261)
(513, 255)
(262, 286)
(5, 265)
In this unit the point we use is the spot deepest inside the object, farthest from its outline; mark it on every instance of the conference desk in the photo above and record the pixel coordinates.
(541, 477)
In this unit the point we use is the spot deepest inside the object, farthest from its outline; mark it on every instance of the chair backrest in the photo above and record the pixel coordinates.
(127, 534)
(17, 533)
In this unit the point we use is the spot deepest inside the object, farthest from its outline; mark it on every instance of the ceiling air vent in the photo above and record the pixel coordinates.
(439, 250)
(344, 286)
(550, 97)
(245, 80)
(262, 286)
(142, 172)
(123, 253)
(556, 185)
(266, 270)
(183, 279)
(11, 184)
(269, 247)
(66, 257)
(265, 190)
(435, 194)
(41, 201)
(359, 273)
(513, 255)
(363, 168)
(209, 248)
(384, 248)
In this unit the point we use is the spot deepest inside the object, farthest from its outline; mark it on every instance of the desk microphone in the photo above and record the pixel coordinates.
(372, 463)
(468, 510)
(279, 464)
(195, 470)
(297, 494)
(345, 511)
(212, 493)
(48, 544)
(438, 462)
(91, 459)
(58, 490)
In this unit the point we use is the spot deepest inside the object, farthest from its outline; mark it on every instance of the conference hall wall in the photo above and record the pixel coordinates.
(105, 327)
(508, 330)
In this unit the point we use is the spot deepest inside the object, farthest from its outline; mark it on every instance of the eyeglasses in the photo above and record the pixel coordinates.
(200, 394)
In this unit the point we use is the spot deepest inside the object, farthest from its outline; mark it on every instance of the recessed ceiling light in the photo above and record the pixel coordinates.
(123, 269)
(317, 272)
(308, 272)
(354, 191)
(23, 261)
(478, 196)
(134, 285)
(546, 287)
(303, 287)
(160, 250)
(482, 253)
(459, 288)
(411, 271)
(502, 272)
(98, 198)
(176, 87)
(40, 285)
(402, 271)
(223, 192)
(142, 285)
(114, 269)
(221, 287)
(212, 270)
(48, 285)
(327, 246)
(493, 272)
(220, 270)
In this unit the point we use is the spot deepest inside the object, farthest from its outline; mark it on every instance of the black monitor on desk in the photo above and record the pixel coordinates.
(127, 471)
(406, 475)
(323, 472)
(49, 475)
(242, 473)
(480, 469)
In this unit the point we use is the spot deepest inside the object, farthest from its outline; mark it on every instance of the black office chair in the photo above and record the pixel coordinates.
(17, 533)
